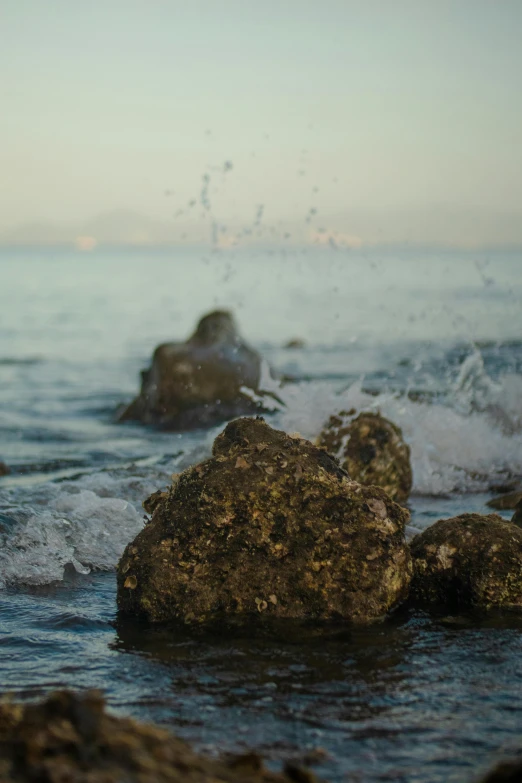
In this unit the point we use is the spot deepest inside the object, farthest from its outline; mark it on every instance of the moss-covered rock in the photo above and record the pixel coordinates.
(468, 562)
(70, 738)
(4, 470)
(372, 451)
(199, 383)
(517, 516)
(269, 528)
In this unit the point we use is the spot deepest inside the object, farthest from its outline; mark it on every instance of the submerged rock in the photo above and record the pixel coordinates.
(269, 528)
(468, 562)
(372, 451)
(505, 502)
(198, 383)
(517, 516)
(4, 470)
(70, 738)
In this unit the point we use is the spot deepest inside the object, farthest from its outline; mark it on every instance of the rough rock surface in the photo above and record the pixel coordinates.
(517, 516)
(4, 470)
(372, 450)
(70, 738)
(505, 502)
(269, 528)
(198, 383)
(468, 562)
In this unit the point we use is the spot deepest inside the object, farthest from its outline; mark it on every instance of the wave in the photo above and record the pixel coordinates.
(464, 442)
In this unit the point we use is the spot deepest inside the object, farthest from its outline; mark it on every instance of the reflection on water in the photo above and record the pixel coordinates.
(414, 699)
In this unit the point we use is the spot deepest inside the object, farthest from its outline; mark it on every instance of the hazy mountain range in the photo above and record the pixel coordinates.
(441, 225)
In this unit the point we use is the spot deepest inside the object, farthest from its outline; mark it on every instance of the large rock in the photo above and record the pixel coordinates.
(468, 562)
(198, 383)
(372, 450)
(70, 738)
(269, 528)
(4, 470)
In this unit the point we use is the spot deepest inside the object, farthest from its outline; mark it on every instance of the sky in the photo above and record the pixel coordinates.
(371, 120)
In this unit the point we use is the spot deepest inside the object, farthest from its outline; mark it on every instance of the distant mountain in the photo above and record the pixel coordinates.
(439, 224)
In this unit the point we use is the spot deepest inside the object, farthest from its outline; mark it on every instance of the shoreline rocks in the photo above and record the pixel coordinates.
(70, 737)
(372, 450)
(269, 528)
(199, 382)
(470, 562)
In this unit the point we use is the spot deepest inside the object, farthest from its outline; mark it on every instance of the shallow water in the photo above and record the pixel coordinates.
(430, 339)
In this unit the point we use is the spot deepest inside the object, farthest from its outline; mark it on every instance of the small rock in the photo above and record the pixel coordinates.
(468, 562)
(199, 382)
(4, 470)
(372, 450)
(505, 502)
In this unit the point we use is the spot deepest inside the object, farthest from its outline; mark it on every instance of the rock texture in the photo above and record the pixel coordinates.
(372, 450)
(198, 383)
(70, 738)
(269, 528)
(505, 502)
(468, 562)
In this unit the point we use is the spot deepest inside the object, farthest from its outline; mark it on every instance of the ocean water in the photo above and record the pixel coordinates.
(432, 339)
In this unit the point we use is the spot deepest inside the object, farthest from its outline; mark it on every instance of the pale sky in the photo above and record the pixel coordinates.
(347, 107)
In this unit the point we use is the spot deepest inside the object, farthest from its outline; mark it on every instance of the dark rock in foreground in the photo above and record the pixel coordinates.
(505, 502)
(269, 528)
(4, 470)
(468, 562)
(505, 772)
(70, 738)
(198, 383)
(372, 450)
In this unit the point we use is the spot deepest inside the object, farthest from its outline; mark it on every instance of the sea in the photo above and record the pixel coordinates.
(430, 337)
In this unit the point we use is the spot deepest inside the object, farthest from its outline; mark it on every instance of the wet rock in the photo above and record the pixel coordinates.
(505, 772)
(70, 737)
(269, 528)
(4, 470)
(372, 451)
(505, 502)
(198, 383)
(517, 516)
(468, 562)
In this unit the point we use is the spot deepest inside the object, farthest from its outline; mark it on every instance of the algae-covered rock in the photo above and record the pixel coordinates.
(199, 383)
(517, 516)
(372, 451)
(468, 562)
(70, 738)
(505, 502)
(269, 528)
(4, 470)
